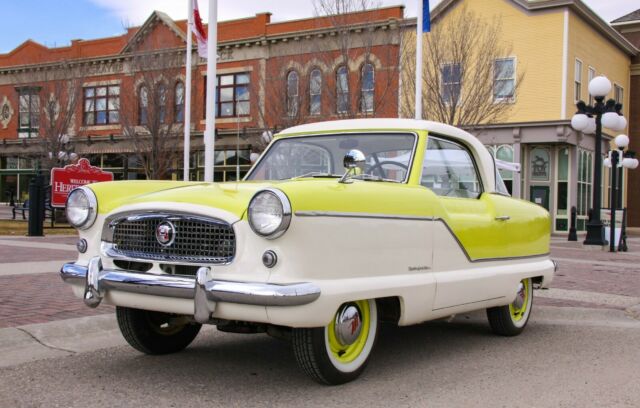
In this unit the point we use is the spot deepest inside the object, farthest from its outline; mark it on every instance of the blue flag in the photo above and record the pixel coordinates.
(426, 16)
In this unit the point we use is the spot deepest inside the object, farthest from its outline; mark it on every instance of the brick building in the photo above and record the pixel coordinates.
(629, 27)
(270, 75)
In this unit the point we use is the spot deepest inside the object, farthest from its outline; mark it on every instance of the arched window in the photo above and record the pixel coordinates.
(178, 101)
(342, 90)
(143, 105)
(162, 101)
(292, 93)
(367, 88)
(315, 92)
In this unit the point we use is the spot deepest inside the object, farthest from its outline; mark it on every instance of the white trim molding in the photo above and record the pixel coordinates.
(565, 64)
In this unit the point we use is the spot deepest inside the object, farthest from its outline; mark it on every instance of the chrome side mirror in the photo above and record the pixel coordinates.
(352, 160)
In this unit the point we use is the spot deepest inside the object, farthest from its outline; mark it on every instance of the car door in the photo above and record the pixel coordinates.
(468, 228)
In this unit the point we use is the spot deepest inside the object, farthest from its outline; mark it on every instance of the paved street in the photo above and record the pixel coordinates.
(580, 349)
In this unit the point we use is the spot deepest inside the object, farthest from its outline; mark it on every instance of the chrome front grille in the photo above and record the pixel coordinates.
(196, 239)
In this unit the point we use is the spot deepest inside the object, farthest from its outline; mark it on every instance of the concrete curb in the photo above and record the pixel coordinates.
(64, 338)
(58, 339)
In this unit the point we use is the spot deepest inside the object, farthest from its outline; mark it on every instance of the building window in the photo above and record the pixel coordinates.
(578, 81)
(292, 93)
(562, 190)
(504, 153)
(178, 102)
(591, 73)
(315, 92)
(451, 76)
(29, 112)
(101, 105)
(342, 90)
(540, 163)
(585, 172)
(504, 79)
(162, 101)
(143, 106)
(368, 87)
(233, 95)
(618, 93)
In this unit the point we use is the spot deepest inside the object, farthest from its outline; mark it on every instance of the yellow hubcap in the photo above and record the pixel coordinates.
(518, 308)
(359, 330)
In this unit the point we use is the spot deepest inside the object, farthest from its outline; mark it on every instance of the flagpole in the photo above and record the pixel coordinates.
(210, 122)
(187, 95)
(419, 28)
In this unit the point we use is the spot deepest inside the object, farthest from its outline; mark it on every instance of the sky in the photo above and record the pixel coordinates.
(57, 22)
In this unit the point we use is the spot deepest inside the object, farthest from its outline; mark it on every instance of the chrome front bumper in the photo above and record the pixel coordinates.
(201, 288)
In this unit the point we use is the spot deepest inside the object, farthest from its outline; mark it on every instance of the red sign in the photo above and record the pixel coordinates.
(63, 180)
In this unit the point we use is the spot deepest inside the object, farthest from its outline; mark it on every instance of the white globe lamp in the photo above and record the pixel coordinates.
(607, 162)
(622, 123)
(579, 122)
(591, 127)
(622, 141)
(610, 120)
(599, 86)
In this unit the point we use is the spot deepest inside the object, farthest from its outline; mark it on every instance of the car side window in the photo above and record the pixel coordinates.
(449, 171)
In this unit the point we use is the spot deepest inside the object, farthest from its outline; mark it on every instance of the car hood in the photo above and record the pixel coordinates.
(230, 197)
(234, 197)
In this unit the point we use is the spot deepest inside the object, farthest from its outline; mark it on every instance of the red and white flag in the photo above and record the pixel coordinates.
(198, 31)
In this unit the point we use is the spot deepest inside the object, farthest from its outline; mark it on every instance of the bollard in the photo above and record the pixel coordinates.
(36, 206)
(573, 235)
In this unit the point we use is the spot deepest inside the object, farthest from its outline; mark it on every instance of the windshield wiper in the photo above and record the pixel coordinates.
(371, 177)
(316, 174)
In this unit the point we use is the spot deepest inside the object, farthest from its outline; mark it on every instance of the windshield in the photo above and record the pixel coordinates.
(387, 156)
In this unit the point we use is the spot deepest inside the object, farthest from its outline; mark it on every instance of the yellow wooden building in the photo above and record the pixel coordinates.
(557, 46)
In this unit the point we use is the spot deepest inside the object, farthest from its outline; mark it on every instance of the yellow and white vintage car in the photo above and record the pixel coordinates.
(337, 227)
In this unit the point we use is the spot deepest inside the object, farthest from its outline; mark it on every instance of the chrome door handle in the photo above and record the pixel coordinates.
(503, 218)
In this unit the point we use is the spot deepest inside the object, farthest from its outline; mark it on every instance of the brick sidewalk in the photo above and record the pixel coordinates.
(43, 297)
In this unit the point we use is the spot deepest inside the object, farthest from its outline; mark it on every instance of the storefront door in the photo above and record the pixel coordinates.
(540, 195)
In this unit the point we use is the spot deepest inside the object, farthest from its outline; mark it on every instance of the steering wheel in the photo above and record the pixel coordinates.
(378, 167)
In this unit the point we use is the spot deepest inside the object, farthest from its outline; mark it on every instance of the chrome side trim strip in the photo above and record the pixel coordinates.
(184, 287)
(361, 215)
(471, 303)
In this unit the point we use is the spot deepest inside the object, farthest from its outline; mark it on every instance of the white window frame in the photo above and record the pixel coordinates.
(591, 73)
(617, 88)
(577, 80)
(511, 99)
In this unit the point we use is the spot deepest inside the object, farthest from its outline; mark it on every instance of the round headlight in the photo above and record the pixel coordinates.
(82, 208)
(269, 213)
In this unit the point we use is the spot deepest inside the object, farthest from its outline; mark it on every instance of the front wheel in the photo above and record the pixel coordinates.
(510, 320)
(155, 332)
(339, 352)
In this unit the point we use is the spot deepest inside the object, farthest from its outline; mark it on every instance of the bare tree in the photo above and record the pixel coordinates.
(308, 87)
(462, 72)
(55, 97)
(147, 110)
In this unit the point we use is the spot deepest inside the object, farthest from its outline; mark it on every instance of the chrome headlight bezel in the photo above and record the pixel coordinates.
(92, 208)
(285, 211)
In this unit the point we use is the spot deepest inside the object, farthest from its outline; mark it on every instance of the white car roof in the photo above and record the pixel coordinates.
(483, 157)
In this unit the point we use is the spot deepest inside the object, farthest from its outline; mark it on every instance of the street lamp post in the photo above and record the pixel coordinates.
(590, 120)
(617, 162)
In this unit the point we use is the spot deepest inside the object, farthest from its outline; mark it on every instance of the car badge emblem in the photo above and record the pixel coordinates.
(165, 233)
